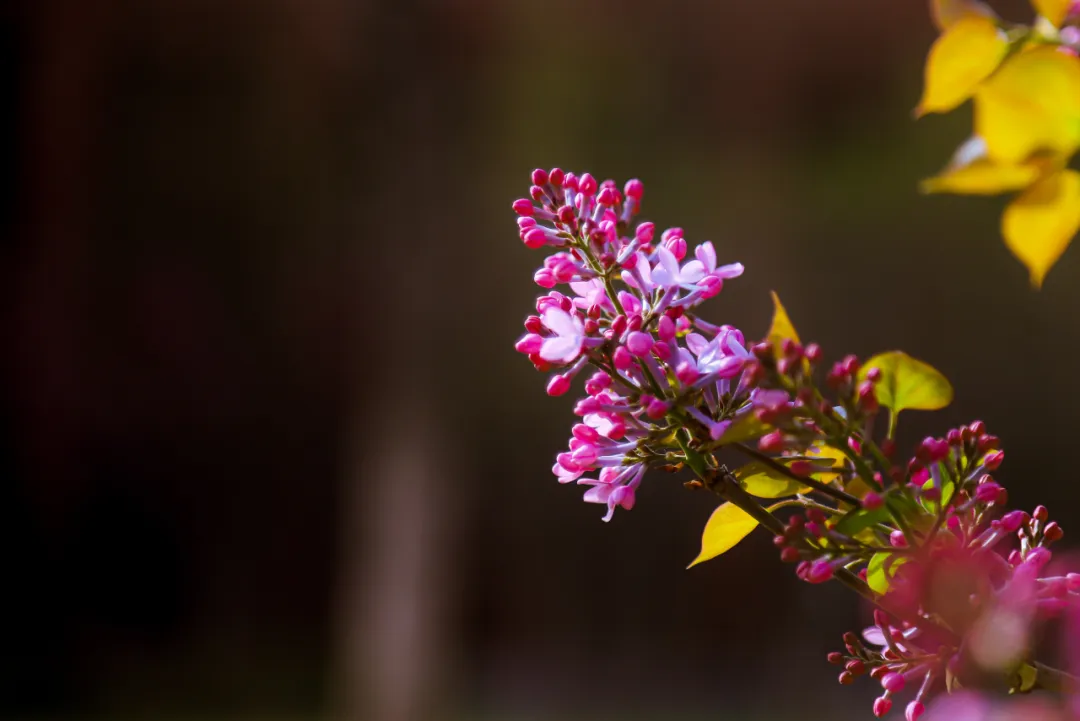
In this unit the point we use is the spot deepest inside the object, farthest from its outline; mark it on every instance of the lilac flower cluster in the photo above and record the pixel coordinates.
(963, 588)
(628, 313)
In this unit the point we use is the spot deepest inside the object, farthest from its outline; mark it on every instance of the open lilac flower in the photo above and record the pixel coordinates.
(569, 336)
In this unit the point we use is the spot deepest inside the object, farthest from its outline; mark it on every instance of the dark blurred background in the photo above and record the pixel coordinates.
(268, 451)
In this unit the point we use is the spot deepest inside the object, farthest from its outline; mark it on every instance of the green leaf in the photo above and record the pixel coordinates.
(742, 429)
(727, 525)
(859, 519)
(907, 383)
(881, 569)
(763, 481)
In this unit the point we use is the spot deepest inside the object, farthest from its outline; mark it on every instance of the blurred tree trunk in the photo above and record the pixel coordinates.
(397, 578)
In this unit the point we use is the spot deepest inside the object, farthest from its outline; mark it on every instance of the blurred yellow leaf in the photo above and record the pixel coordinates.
(983, 177)
(727, 525)
(947, 13)
(970, 172)
(1053, 10)
(1031, 103)
(781, 328)
(1039, 225)
(965, 55)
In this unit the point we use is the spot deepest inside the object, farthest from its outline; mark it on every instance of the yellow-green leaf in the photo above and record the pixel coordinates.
(1039, 225)
(881, 569)
(1031, 103)
(781, 328)
(907, 383)
(970, 172)
(1024, 679)
(765, 481)
(965, 55)
(746, 428)
(727, 525)
(947, 13)
(1053, 10)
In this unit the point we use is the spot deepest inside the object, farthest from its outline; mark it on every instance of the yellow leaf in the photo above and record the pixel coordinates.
(829, 457)
(982, 177)
(947, 13)
(727, 525)
(907, 383)
(1031, 103)
(763, 481)
(781, 328)
(1053, 10)
(1039, 225)
(970, 172)
(965, 55)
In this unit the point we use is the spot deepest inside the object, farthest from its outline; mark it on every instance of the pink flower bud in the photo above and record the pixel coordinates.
(657, 408)
(523, 206)
(1013, 520)
(618, 326)
(772, 442)
(529, 344)
(539, 176)
(622, 358)
(872, 501)
(677, 246)
(987, 492)
(639, 343)
(587, 185)
(914, 710)
(665, 328)
(634, 188)
(544, 278)
(897, 539)
(1038, 557)
(535, 238)
(893, 682)
(819, 572)
(555, 177)
(801, 468)
(1053, 532)
(558, 385)
(644, 232)
(607, 196)
(992, 461)
(882, 706)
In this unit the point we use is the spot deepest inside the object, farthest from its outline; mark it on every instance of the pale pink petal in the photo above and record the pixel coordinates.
(693, 271)
(706, 254)
(696, 343)
(598, 494)
(874, 636)
(559, 321)
(731, 270)
(561, 349)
